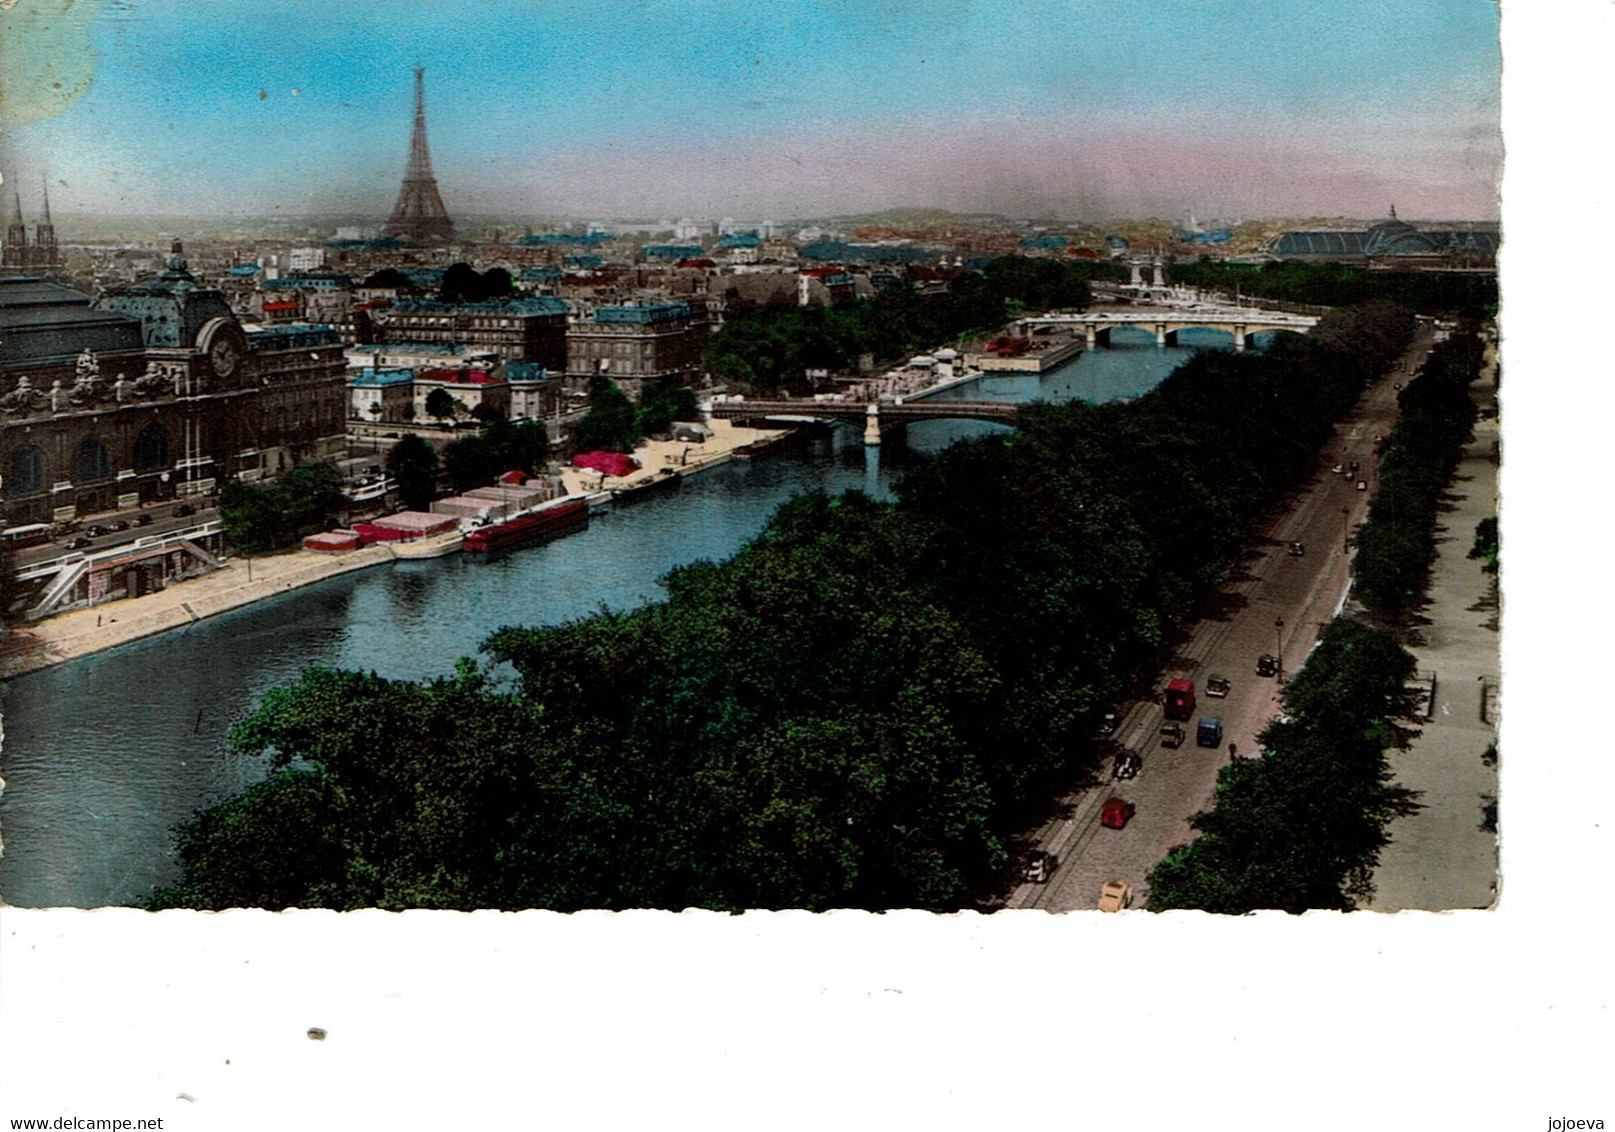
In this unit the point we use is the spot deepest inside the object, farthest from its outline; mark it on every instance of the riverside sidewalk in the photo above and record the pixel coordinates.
(1440, 858)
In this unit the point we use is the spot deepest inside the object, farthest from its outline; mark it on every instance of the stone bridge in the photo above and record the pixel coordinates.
(1165, 322)
(872, 413)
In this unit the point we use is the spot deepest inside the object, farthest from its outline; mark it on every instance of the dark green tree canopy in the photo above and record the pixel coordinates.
(302, 502)
(413, 466)
(612, 424)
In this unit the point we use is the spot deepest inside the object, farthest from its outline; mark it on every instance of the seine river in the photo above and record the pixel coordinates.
(104, 756)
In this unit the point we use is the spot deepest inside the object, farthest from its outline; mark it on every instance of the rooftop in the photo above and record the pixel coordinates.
(382, 377)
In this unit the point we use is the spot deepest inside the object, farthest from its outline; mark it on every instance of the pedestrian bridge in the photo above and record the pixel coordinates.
(872, 413)
(1164, 322)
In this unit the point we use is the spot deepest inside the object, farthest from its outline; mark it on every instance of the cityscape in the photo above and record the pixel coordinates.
(701, 458)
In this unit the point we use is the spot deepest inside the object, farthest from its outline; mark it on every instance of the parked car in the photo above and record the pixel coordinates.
(1297, 549)
(95, 530)
(1115, 813)
(1127, 765)
(143, 519)
(1040, 865)
(120, 525)
(1209, 733)
(1172, 735)
(1114, 895)
(1217, 685)
(1107, 726)
(1362, 485)
(1267, 665)
(183, 510)
(79, 543)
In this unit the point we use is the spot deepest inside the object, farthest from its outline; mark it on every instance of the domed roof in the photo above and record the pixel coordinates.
(1396, 237)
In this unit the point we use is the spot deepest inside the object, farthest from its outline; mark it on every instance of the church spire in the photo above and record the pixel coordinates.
(15, 253)
(46, 253)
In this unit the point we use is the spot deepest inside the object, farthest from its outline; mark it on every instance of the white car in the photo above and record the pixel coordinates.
(1040, 865)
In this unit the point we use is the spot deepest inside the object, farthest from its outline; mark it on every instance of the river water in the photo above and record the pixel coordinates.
(104, 756)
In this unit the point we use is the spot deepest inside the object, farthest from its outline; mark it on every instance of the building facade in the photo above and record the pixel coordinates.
(635, 344)
(530, 329)
(150, 392)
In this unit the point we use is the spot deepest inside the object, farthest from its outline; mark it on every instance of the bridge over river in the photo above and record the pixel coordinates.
(872, 413)
(1165, 322)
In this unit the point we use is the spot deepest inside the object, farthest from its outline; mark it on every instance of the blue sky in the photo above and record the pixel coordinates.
(1222, 107)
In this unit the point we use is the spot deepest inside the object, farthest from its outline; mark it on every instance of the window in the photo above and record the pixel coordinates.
(27, 471)
(91, 461)
(151, 448)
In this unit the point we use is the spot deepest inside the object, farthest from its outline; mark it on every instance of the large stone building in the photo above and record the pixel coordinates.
(1394, 243)
(531, 329)
(635, 344)
(152, 391)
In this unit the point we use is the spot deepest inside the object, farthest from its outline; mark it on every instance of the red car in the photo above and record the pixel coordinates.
(1115, 812)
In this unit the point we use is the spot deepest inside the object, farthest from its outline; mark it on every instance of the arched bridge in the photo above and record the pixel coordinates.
(871, 413)
(1165, 322)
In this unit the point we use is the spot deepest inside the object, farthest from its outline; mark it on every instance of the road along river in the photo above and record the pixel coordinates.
(1271, 602)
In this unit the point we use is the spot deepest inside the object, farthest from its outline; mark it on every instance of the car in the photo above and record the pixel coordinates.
(1362, 485)
(1297, 549)
(183, 510)
(1040, 865)
(95, 530)
(1267, 665)
(120, 525)
(1172, 736)
(1217, 685)
(1107, 726)
(1114, 895)
(1336, 470)
(143, 519)
(79, 543)
(1127, 765)
(1116, 813)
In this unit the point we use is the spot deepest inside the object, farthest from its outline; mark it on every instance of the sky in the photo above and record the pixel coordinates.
(1068, 108)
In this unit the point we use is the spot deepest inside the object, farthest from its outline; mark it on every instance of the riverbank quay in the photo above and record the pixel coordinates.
(681, 456)
(241, 582)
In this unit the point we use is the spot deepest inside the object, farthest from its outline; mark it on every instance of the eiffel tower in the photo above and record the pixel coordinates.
(419, 216)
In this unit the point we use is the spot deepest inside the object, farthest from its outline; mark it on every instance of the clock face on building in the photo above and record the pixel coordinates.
(223, 345)
(223, 356)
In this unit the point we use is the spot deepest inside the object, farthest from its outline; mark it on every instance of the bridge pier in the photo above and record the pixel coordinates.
(1239, 339)
(872, 424)
(1160, 334)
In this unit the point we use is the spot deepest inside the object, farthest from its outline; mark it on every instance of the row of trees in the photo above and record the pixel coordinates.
(305, 500)
(1464, 294)
(1301, 827)
(774, 347)
(860, 709)
(1397, 542)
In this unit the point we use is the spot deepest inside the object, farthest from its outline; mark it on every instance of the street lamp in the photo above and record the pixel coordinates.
(1278, 634)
